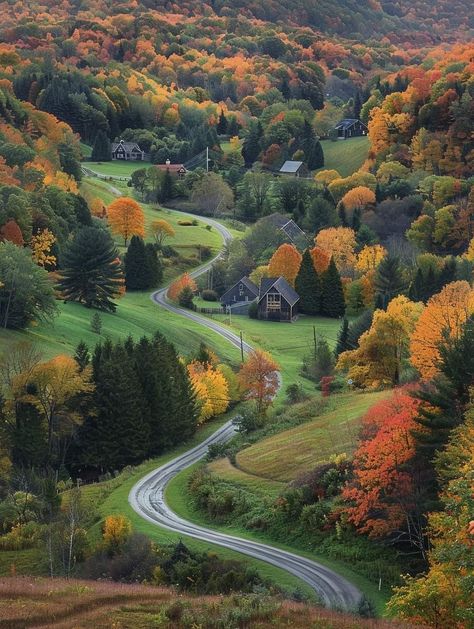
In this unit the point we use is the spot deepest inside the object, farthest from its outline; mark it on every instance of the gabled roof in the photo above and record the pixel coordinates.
(173, 168)
(347, 123)
(128, 146)
(253, 288)
(291, 166)
(281, 285)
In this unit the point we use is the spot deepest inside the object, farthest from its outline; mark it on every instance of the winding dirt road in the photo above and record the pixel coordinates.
(147, 497)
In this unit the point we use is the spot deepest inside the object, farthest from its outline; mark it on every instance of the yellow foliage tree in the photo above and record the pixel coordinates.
(116, 531)
(211, 389)
(384, 347)
(442, 320)
(370, 257)
(126, 218)
(338, 242)
(259, 273)
(161, 230)
(326, 176)
(41, 245)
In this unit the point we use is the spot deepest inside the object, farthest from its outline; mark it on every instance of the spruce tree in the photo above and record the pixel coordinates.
(82, 356)
(356, 219)
(341, 212)
(155, 269)
(416, 291)
(389, 281)
(167, 187)
(101, 151)
(357, 105)
(251, 146)
(332, 294)
(308, 286)
(342, 344)
(28, 437)
(315, 155)
(137, 275)
(222, 124)
(89, 272)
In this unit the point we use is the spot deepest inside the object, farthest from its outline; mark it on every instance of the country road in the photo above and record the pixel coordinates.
(147, 497)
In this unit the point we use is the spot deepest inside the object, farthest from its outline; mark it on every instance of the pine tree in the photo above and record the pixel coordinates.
(118, 434)
(315, 155)
(28, 437)
(82, 356)
(341, 212)
(389, 281)
(222, 124)
(90, 272)
(357, 105)
(101, 151)
(155, 269)
(356, 219)
(167, 187)
(251, 147)
(342, 338)
(308, 286)
(332, 294)
(136, 265)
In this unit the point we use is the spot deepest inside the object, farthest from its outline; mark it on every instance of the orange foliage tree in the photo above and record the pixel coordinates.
(182, 282)
(258, 379)
(383, 491)
(442, 320)
(321, 259)
(286, 261)
(11, 232)
(338, 242)
(126, 218)
(358, 197)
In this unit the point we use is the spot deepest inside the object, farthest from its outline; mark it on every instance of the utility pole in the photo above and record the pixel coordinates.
(314, 341)
(207, 159)
(241, 346)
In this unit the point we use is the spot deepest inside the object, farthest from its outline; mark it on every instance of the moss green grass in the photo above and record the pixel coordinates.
(345, 156)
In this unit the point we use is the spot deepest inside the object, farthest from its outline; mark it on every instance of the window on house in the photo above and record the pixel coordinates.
(241, 289)
(273, 301)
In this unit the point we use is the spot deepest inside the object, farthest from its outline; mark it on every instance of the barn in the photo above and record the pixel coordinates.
(277, 300)
(350, 128)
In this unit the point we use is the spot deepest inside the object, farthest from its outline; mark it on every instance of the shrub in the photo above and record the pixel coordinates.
(186, 223)
(253, 310)
(295, 393)
(21, 536)
(205, 252)
(185, 298)
(249, 421)
(168, 252)
(209, 295)
(117, 530)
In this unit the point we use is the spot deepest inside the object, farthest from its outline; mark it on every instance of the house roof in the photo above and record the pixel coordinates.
(253, 288)
(128, 146)
(173, 168)
(282, 286)
(347, 123)
(291, 166)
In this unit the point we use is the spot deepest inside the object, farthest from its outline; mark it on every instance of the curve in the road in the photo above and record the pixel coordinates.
(147, 497)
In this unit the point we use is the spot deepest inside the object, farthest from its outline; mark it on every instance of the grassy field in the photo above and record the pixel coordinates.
(116, 168)
(345, 156)
(284, 456)
(286, 342)
(178, 498)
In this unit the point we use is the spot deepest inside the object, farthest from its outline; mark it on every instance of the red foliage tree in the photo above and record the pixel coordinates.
(11, 232)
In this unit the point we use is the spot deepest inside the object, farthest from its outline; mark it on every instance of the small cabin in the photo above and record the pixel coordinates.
(350, 128)
(293, 169)
(175, 170)
(243, 292)
(127, 151)
(277, 300)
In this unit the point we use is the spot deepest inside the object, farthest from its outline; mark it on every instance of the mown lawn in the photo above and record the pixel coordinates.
(116, 168)
(345, 156)
(282, 457)
(288, 343)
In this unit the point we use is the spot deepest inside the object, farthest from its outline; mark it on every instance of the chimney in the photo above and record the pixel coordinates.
(168, 162)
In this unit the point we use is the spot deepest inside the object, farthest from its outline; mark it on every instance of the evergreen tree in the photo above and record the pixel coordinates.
(82, 356)
(416, 292)
(448, 273)
(232, 126)
(28, 437)
(357, 105)
(358, 327)
(342, 338)
(90, 272)
(101, 151)
(136, 265)
(356, 219)
(222, 124)
(251, 146)
(285, 89)
(315, 155)
(185, 298)
(299, 212)
(308, 286)
(332, 294)
(167, 187)
(389, 281)
(155, 269)
(117, 434)
(341, 212)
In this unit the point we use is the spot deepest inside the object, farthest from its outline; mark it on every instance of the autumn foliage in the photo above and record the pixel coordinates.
(441, 320)
(11, 231)
(338, 242)
(126, 218)
(211, 389)
(382, 493)
(177, 287)
(259, 379)
(285, 262)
